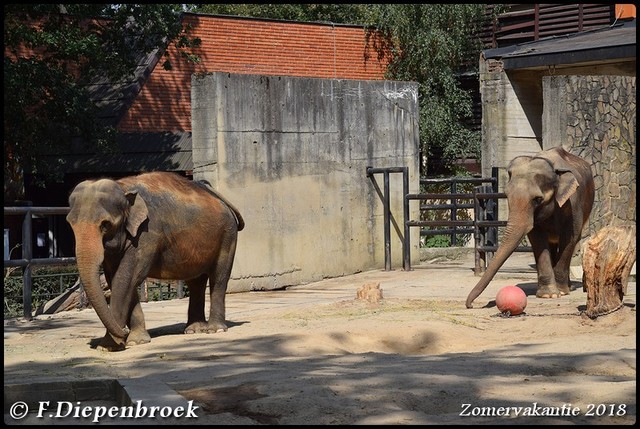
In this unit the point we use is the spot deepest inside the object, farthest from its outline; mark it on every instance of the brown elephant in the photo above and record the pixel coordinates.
(158, 225)
(550, 196)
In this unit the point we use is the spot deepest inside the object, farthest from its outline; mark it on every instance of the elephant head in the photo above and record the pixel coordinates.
(537, 187)
(102, 215)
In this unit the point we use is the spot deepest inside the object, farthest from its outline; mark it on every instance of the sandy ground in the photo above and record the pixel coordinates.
(313, 354)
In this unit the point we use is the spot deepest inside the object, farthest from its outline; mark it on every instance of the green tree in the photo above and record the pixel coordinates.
(52, 53)
(336, 13)
(432, 44)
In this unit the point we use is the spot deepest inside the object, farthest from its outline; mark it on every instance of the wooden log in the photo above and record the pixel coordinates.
(72, 298)
(607, 259)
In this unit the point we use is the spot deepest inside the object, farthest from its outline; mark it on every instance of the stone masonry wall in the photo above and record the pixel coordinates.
(595, 117)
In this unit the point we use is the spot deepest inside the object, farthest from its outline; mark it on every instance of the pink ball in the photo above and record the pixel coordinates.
(511, 299)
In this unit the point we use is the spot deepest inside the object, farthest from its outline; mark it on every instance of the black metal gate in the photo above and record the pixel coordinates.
(484, 200)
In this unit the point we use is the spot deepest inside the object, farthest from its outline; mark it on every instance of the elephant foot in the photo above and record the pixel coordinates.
(205, 328)
(552, 291)
(138, 337)
(217, 327)
(196, 328)
(566, 289)
(108, 344)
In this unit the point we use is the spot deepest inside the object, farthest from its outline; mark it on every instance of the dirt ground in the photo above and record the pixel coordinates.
(313, 354)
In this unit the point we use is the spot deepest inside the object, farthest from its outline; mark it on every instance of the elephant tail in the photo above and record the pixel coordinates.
(236, 213)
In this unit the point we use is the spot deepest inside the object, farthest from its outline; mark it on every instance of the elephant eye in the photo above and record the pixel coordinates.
(105, 226)
(537, 201)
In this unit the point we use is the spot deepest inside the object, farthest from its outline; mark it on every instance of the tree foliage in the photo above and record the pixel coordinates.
(434, 44)
(47, 67)
(52, 52)
(336, 13)
(431, 44)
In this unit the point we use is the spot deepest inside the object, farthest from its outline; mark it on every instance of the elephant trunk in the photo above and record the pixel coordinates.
(516, 228)
(89, 256)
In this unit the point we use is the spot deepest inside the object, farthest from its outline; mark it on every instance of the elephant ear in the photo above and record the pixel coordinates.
(567, 186)
(138, 212)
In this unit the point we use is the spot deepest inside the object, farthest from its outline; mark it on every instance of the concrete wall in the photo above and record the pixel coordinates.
(511, 116)
(511, 119)
(291, 154)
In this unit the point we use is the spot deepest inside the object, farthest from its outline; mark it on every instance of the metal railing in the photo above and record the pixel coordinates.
(457, 201)
(386, 171)
(27, 262)
(484, 225)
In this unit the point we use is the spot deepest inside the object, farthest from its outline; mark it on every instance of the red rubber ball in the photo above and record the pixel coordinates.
(511, 299)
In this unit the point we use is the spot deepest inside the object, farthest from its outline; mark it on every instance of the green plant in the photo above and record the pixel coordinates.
(438, 241)
(47, 283)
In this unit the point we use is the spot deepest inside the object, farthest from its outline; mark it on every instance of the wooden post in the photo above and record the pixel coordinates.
(607, 259)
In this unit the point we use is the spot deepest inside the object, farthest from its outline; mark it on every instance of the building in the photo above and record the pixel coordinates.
(152, 111)
(573, 89)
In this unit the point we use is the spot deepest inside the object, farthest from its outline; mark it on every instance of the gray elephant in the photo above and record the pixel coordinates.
(158, 225)
(550, 196)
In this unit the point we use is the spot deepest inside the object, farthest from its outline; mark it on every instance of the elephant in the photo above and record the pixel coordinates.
(159, 225)
(550, 197)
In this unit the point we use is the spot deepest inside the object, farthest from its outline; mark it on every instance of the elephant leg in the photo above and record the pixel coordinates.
(123, 303)
(138, 331)
(218, 281)
(107, 343)
(547, 287)
(562, 267)
(217, 310)
(196, 321)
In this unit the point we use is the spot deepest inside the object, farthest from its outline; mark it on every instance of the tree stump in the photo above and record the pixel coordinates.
(607, 259)
(369, 292)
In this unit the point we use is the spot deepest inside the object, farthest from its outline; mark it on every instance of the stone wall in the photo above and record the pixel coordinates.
(595, 117)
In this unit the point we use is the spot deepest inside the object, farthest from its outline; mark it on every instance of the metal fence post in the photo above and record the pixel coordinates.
(387, 210)
(27, 253)
(180, 291)
(387, 226)
(407, 237)
(454, 211)
(479, 215)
